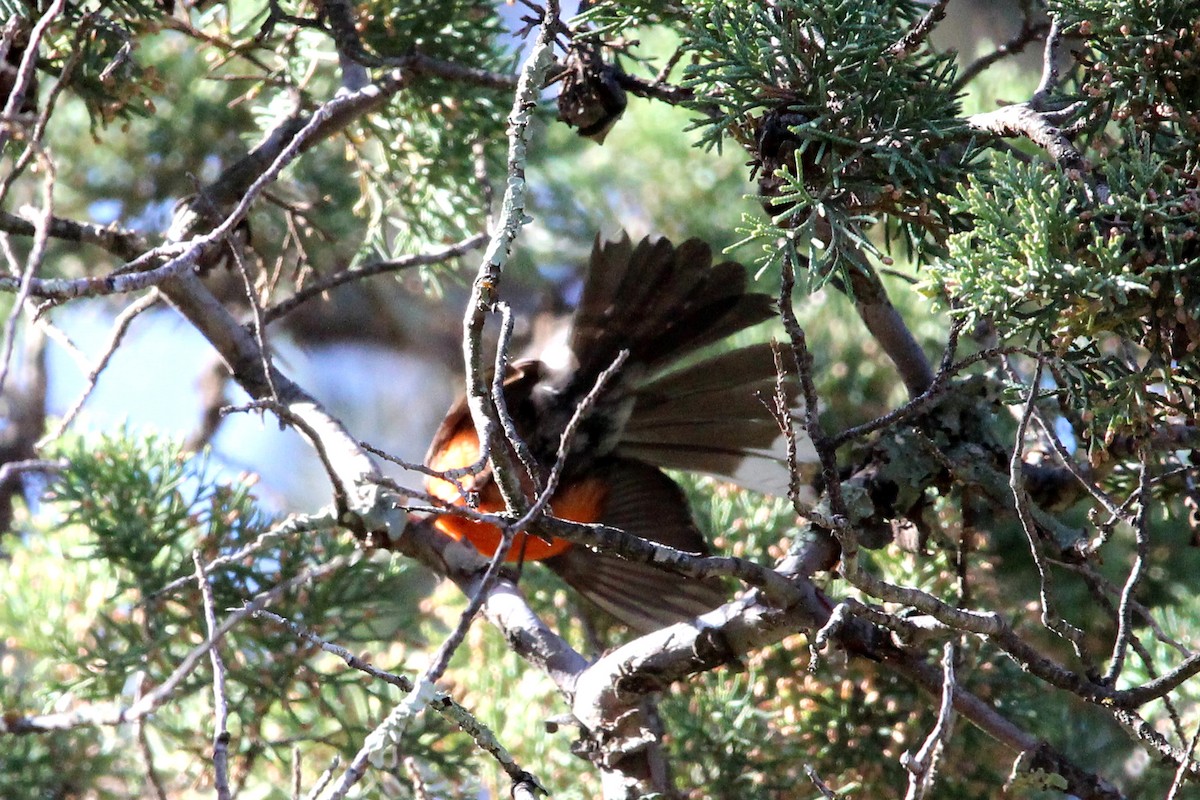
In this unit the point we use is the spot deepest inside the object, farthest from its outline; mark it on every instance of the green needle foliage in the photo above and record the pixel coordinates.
(412, 198)
(1099, 271)
(132, 509)
(869, 125)
(1115, 301)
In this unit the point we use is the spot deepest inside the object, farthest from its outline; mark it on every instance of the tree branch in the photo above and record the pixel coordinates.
(362, 271)
(124, 244)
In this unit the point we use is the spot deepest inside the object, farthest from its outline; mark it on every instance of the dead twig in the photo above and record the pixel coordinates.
(920, 31)
(120, 328)
(37, 253)
(1030, 32)
(220, 755)
(1050, 617)
(1141, 531)
(479, 400)
(443, 704)
(371, 268)
(922, 767)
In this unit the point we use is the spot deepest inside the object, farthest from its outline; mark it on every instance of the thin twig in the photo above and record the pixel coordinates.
(1141, 531)
(781, 410)
(413, 771)
(297, 772)
(60, 337)
(220, 702)
(777, 589)
(1068, 462)
(296, 523)
(1106, 528)
(369, 269)
(486, 284)
(11, 469)
(350, 47)
(325, 779)
(1030, 32)
(1104, 589)
(82, 31)
(120, 58)
(441, 660)
(941, 382)
(26, 68)
(423, 692)
(341, 491)
(1185, 765)
(449, 646)
(37, 252)
(1050, 617)
(152, 776)
(673, 60)
(519, 446)
(1148, 736)
(907, 629)
(653, 90)
(1049, 80)
(922, 767)
(803, 365)
(120, 327)
(919, 32)
(822, 787)
(443, 704)
(259, 327)
(479, 400)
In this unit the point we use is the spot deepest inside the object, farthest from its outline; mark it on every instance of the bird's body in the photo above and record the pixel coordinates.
(660, 303)
(578, 501)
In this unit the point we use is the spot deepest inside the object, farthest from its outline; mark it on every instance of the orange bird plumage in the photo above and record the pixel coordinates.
(661, 303)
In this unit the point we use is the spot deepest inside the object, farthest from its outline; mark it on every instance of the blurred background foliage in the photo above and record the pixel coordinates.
(159, 103)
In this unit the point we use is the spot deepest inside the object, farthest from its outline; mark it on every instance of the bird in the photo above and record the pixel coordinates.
(669, 406)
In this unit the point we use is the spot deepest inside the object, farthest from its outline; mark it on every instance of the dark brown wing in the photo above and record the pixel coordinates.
(659, 302)
(714, 416)
(645, 502)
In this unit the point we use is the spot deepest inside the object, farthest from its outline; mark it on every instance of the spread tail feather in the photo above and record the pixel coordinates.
(642, 596)
(715, 417)
(646, 503)
(659, 302)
